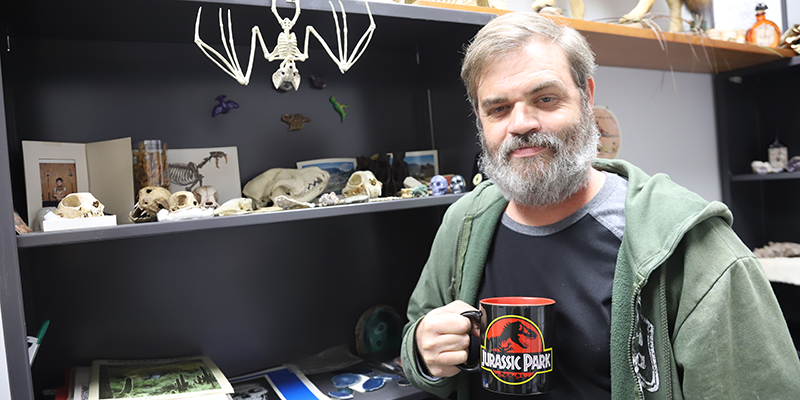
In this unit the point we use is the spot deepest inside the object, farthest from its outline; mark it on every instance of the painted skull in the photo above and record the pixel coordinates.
(363, 182)
(303, 184)
(457, 184)
(207, 196)
(438, 185)
(79, 205)
(182, 200)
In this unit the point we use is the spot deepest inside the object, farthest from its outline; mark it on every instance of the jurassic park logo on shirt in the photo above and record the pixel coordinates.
(514, 350)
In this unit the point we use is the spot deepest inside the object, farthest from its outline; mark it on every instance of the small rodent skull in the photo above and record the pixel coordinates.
(438, 185)
(182, 200)
(207, 196)
(363, 182)
(457, 184)
(79, 205)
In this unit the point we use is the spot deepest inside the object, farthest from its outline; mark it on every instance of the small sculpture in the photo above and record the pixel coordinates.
(338, 107)
(295, 121)
(224, 106)
(303, 184)
(79, 205)
(151, 200)
(420, 191)
(438, 185)
(362, 182)
(457, 184)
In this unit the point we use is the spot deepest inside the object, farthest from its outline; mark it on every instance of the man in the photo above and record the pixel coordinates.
(655, 295)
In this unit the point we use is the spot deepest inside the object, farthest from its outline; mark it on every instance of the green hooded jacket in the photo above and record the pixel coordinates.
(683, 278)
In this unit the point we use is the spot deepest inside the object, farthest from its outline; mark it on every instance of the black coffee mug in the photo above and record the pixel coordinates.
(515, 356)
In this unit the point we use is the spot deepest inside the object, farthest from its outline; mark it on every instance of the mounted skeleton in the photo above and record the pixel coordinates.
(188, 174)
(286, 48)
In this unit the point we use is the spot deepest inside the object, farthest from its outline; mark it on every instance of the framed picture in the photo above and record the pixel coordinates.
(340, 170)
(189, 169)
(52, 171)
(422, 165)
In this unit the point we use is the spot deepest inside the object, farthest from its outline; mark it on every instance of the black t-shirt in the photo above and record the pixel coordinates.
(572, 262)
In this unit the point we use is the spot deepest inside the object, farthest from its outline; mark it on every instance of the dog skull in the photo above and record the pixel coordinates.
(303, 184)
(438, 185)
(79, 205)
(363, 182)
(207, 196)
(182, 200)
(457, 184)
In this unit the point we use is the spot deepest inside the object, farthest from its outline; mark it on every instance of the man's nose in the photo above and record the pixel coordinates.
(524, 119)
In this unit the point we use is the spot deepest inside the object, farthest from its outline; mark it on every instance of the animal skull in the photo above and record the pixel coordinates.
(457, 184)
(207, 196)
(80, 205)
(438, 185)
(152, 199)
(303, 184)
(182, 200)
(363, 182)
(235, 207)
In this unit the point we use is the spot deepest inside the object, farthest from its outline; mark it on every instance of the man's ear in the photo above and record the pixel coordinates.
(590, 91)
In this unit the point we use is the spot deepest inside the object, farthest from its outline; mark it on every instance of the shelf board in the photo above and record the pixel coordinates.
(767, 177)
(40, 239)
(624, 46)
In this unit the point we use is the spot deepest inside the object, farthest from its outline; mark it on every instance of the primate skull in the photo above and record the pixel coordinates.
(152, 199)
(303, 184)
(207, 196)
(363, 182)
(457, 184)
(182, 200)
(438, 185)
(79, 205)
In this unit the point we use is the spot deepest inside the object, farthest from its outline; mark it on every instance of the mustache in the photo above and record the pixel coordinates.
(531, 139)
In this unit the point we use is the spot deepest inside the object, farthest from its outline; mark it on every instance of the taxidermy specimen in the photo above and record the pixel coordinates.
(286, 50)
(224, 106)
(638, 12)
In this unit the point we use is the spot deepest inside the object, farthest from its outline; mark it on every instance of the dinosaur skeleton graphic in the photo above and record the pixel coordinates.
(188, 174)
(285, 50)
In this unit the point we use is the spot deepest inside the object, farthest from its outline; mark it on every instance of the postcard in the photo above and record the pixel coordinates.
(168, 378)
(340, 170)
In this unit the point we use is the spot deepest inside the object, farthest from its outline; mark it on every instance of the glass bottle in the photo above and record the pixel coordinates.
(150, 165)
(764, 32)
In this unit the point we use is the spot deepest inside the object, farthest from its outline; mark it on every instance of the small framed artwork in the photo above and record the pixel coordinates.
(340, 170)
(422, 165)
(52, 171)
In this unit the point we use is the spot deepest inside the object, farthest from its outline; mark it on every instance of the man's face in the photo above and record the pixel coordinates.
(538, 135)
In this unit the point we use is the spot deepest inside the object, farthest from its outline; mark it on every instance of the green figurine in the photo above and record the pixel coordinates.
(338, 107)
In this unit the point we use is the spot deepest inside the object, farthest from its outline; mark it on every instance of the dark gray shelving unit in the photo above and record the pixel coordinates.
(249, 291)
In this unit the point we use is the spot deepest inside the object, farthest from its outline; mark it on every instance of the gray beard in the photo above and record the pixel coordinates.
(543, 180)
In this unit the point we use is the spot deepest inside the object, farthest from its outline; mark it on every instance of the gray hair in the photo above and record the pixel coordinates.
(510, 33)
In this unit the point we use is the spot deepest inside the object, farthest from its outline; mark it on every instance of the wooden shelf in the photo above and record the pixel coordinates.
(624, 46)
(767, 177)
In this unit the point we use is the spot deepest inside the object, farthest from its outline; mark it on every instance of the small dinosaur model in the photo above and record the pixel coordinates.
(295, 121)
(224, 106)
(338, 107)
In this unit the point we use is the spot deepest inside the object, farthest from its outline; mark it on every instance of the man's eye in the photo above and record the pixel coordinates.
(497, 110)
(547, 99)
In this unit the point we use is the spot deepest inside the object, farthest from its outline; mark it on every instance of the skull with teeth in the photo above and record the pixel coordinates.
(438, 185)
(79, 205)
(457, 184)
(303, 184)
(152, 199)
(207, 196)
(362, 182)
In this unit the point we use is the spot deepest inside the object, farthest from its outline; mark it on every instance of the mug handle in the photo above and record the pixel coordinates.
(474, 316)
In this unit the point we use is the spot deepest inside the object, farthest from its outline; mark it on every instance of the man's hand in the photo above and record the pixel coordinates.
(443, 338)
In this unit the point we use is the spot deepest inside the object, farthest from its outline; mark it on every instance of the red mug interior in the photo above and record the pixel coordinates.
(518, 301)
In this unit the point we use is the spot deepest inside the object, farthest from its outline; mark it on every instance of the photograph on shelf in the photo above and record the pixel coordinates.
(53, 170)
(253, 389)
(422, 165)
(167, 378)
(339, 169)
(189, 169)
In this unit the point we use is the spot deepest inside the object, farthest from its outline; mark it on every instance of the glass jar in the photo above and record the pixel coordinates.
(150, 165)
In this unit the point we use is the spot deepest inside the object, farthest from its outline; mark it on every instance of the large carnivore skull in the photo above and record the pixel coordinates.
(152, 199)
(363, 182)
(303, 184)
(80, 205)
(182, 200)
(207, 196)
